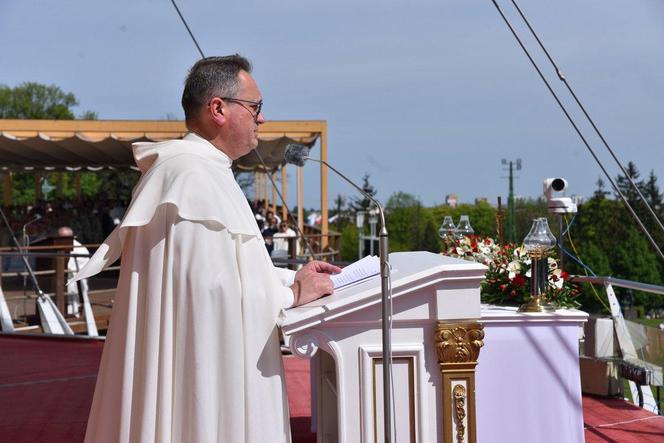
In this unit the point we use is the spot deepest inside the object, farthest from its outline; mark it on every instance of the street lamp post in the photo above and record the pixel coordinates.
(359, 222)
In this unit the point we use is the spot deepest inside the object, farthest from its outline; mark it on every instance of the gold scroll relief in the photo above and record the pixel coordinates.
(458, 348)
(459, 393)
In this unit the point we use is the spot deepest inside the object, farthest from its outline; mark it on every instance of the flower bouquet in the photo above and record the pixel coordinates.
(507, 281)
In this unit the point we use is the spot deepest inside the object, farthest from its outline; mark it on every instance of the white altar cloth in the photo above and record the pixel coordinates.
(528, 381)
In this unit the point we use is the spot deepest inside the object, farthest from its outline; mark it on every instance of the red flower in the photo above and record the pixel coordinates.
(564, 275)
(519, 280)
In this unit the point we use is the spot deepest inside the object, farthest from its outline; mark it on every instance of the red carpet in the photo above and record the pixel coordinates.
(615, 420)
(46, 387)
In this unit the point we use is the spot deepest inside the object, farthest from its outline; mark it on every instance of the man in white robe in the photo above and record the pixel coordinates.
(192, 352)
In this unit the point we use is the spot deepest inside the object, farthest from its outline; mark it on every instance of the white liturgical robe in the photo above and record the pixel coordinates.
(192, 352)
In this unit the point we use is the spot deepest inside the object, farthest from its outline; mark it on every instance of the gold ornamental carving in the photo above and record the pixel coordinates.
(458, 347)
(459, 343)
(459, 393)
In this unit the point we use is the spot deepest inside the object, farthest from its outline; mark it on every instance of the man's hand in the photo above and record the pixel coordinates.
(316, 267)
(313, 281)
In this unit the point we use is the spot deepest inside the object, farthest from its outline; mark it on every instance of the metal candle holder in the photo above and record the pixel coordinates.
(538, 242)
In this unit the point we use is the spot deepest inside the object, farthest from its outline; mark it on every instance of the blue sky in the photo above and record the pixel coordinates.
(425, 96)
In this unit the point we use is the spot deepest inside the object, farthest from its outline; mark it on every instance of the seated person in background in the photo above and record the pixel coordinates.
(272, 221)
(280, 241)
(267, 232)
(74, 264)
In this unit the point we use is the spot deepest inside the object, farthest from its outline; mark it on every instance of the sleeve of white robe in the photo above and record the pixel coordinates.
(286, 276)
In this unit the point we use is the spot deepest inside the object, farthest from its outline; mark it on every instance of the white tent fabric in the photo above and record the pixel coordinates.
(76, 151)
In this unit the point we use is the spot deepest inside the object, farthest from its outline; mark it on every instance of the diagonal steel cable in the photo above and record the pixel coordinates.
(562, 78)
(191, 34)
(576, 128)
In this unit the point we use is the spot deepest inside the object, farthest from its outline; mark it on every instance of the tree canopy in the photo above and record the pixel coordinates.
(32, 100)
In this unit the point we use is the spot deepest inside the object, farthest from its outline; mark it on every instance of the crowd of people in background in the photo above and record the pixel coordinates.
(91, 220)
(276, 231)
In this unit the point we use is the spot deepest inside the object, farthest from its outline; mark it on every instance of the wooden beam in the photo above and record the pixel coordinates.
(273, 183)
(284, 193)
(300, 209)
(323, 190)
(266, 201)
(166, 128)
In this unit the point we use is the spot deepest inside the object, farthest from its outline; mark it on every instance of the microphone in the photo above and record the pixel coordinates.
(297, 154)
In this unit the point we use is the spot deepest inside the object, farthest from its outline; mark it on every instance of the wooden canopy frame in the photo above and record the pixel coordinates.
(67, 144)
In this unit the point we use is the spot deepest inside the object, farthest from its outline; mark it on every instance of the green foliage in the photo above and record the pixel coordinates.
(36, 101)
(349, 242)
(608, 240)
(117, 184)
(410, 225)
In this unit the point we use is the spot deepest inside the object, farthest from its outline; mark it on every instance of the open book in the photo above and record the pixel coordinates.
(356, 272)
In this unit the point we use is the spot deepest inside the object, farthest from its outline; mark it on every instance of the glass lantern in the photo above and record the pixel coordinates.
(447, 229)
(464, 228)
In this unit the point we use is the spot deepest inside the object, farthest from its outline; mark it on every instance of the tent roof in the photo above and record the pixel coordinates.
(93, 144)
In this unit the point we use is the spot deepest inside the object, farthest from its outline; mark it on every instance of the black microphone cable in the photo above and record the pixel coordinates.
(563, 79)
(578, 131)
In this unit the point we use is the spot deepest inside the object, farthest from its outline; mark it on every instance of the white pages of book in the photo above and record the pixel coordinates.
(358, 271)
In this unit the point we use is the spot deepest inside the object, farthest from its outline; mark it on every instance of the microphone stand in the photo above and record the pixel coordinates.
(386, 301)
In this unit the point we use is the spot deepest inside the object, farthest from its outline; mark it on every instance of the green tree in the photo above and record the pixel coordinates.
(36, 101)
(410, 225)
(652, 194)
(600, 192)
(349, 242)
(362, 203)
(626, 188)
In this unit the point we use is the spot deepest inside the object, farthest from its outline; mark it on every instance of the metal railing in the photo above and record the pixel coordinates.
(633, 367)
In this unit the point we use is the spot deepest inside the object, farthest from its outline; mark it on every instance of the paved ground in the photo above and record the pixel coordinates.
(46, 387)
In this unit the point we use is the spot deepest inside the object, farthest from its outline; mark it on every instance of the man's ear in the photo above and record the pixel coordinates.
(218, 110)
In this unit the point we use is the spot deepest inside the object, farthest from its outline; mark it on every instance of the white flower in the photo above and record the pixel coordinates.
(513, 268)
(520, 252)
(558, 281)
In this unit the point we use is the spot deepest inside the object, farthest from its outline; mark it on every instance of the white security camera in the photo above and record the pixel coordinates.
(558, 205)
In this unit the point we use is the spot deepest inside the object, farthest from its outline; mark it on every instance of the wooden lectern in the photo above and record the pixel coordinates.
(436, 339)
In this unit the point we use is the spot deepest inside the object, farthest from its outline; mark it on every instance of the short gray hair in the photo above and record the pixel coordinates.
(212, 77)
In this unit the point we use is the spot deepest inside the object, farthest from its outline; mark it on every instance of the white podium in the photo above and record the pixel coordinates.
(343, 332)
(528, 378)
